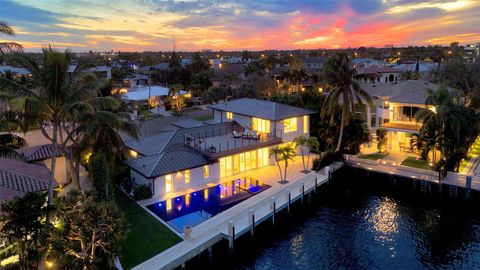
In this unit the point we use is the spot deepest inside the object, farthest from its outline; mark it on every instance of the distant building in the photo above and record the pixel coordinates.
(314, 62)
(385, 74)
(100, 71)
(472, 51)
(362, 63)
(394, 109)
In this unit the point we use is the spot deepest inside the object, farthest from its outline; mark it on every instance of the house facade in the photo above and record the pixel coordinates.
(394, 109)
(237, 141)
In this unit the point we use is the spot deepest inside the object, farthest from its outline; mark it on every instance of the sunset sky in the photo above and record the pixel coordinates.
(138, 25)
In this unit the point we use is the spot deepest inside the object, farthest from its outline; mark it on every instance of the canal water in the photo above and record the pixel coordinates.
(361, 220)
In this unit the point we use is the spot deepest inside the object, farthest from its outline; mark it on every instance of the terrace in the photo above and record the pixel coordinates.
(224, 141)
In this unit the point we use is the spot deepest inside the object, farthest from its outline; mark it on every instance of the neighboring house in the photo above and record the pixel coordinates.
(362, 63)
(43, 154)
(136, 80)
(395, 106)
(15, 70)
(384, 74)
(314, 62)
(18, 177)
(174, 161)
(233, 74)
(100, 71)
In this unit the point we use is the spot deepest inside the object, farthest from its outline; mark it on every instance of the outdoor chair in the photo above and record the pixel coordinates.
(246, 134)
(236, 135)
(255, 136)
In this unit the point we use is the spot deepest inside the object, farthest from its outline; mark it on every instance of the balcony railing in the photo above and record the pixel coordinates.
(221, 141)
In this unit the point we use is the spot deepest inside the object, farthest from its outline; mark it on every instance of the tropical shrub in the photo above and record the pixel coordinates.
(381, 139)
(142, 192)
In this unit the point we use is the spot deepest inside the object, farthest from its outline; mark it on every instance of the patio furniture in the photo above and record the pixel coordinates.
(255, 136)
(246, 134)
(236, 135)
(212, 149)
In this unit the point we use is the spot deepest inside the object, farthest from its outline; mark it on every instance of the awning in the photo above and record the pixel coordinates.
(402, 127)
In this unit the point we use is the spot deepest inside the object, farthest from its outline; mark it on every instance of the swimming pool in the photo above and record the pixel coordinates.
(193, 208)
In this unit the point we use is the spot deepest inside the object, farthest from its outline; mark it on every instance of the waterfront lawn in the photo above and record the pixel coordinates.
(146, 236)
(416, 163)
(374, 156)
(474, 152)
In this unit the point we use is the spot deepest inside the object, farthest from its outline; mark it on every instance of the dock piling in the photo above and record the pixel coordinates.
(231, 234)
(273, 210)
(252, 221)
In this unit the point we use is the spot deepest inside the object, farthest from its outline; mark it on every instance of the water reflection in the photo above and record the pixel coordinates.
(356, 225)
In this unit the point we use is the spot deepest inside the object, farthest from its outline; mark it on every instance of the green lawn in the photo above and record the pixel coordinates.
(374, 156)
(416, 163)
(146, 237)
(475, 151)
(204, 117)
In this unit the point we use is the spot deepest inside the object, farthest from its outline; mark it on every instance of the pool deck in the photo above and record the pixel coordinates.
(243, 217)
(452, 179)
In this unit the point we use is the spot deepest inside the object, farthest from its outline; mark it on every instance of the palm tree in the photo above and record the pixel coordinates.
(54, 98)
(341, 78)
(6, 47)
(284, 154)
(309, 143)
(448, 124)
(9, 141)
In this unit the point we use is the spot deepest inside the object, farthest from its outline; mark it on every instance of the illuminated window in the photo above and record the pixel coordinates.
(133, 154)
(205, 194)
(169, 205)
(263, 157)
(229, 115)
(187, 200)
(205, 171)
(290, 125)
(305, 124)
(168, 183)
(261, 125)
(187, 176)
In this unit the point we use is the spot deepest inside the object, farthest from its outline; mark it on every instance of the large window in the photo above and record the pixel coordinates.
(245, 161)
(187, 176)
(229, 115)
(261, 125)
(168, 183)
(305, 124)
(205, 171)
(290, 125)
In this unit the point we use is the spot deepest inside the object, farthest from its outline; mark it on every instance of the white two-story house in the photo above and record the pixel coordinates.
(237, 141)
(395, 106)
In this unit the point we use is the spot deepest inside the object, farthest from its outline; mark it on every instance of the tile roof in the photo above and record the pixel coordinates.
(166, 153)
(151, 145)
(411, 91)
(181, 158)
(188, 123)
(264, 109)
(18, 177)
(39, 152)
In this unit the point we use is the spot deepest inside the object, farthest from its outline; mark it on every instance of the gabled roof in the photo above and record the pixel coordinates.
(264, 109)
(40, 152)
(18, 177)
(181, 158)
(166, 153)
(188, 123)
(151, 145)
